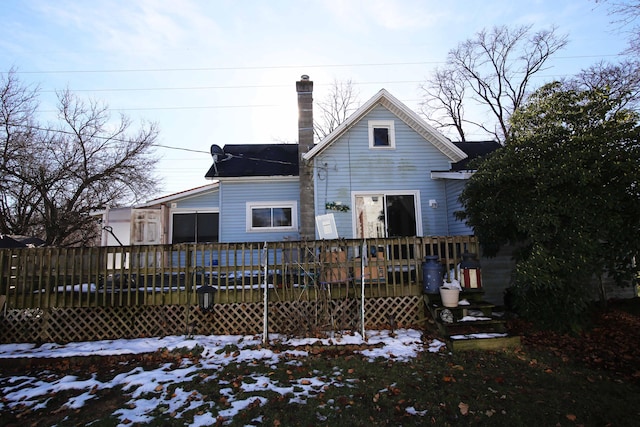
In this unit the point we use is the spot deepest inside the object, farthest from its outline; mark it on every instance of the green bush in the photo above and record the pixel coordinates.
(551, 292)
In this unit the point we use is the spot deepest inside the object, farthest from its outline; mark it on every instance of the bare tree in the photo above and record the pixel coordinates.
(18, 104)
(340, 102)
(443, 103)
(626, 15)
(621, 80)
(495, 70)
(55, 175)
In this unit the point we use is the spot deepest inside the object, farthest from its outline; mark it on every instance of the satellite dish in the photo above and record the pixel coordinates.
(216, 151)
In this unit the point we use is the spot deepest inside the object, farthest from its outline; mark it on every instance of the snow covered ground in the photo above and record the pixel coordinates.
(31, 391)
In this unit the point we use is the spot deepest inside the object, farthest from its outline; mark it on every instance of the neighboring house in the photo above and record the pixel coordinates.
(384, 172)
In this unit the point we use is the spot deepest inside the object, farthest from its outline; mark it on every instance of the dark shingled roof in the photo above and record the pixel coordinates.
(474, 150)
(255, 160)
(8, 242)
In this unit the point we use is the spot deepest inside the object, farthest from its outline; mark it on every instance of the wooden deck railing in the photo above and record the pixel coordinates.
(171, 274)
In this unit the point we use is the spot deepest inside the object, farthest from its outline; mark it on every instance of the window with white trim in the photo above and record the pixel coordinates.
(272, 216)
(382, 134)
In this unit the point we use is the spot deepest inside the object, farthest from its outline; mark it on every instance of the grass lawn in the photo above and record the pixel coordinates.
(552, 380)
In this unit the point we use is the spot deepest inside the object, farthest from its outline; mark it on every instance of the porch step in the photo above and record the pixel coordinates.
(470, 325)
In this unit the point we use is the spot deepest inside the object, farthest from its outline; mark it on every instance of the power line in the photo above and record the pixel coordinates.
(66, 132)
(268, 67)
(281, 86)
(260, 67)
(204, 107)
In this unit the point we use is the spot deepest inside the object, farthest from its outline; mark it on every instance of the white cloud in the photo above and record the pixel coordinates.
(391, 15)
(140, 29)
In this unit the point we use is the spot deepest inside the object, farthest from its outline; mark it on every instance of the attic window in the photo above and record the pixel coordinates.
(382, 134)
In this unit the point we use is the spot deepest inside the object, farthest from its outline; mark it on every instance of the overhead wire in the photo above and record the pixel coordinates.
(268, 67)
(66, 132)
(284, 66)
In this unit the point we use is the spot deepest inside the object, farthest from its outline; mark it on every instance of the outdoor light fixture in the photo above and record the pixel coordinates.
(206, 296)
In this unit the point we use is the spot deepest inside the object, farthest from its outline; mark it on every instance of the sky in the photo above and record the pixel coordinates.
(224, 71)
(151, 391)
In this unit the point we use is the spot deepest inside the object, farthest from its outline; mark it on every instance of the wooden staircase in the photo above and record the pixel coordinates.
(472, 324)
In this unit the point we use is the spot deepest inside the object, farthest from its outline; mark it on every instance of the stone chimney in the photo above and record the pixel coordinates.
(304, 87)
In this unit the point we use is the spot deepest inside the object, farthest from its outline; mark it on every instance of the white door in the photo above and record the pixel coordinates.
(146, 227)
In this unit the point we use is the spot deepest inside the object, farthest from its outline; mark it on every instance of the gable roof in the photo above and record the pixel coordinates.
(252, 160)
(404, 113)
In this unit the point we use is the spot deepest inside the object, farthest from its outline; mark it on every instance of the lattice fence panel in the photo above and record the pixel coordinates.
(402, 312)
(229, 319)
(22, 326)
(297, 318)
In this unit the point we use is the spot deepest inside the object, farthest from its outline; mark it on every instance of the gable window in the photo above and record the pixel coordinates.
(195, 227)
(382, 134)
(272, 216)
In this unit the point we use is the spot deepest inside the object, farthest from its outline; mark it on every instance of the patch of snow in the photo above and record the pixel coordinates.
(473, 318)
(477, 336)
(149, 390)
(85, 287)
(412, 411)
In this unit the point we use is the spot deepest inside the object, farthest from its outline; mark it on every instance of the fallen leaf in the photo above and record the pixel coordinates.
(464, 408)
(571, 417)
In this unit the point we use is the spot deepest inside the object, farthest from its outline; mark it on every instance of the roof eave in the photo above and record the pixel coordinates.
(466, 174)
(180, 195)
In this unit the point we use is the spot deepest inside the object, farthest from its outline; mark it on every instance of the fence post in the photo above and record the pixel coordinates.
(265, 298)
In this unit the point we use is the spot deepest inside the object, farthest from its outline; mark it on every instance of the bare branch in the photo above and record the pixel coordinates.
(57, 176)
(341, 101)
(493, 69)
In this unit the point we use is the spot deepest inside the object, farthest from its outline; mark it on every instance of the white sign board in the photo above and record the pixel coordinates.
(326, 225)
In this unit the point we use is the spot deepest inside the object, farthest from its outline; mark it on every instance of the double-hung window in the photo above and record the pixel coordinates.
(272, 216)
(382, 134)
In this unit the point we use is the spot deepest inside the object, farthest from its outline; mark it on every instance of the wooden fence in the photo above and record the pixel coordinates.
(170, 274)
(71, 294)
